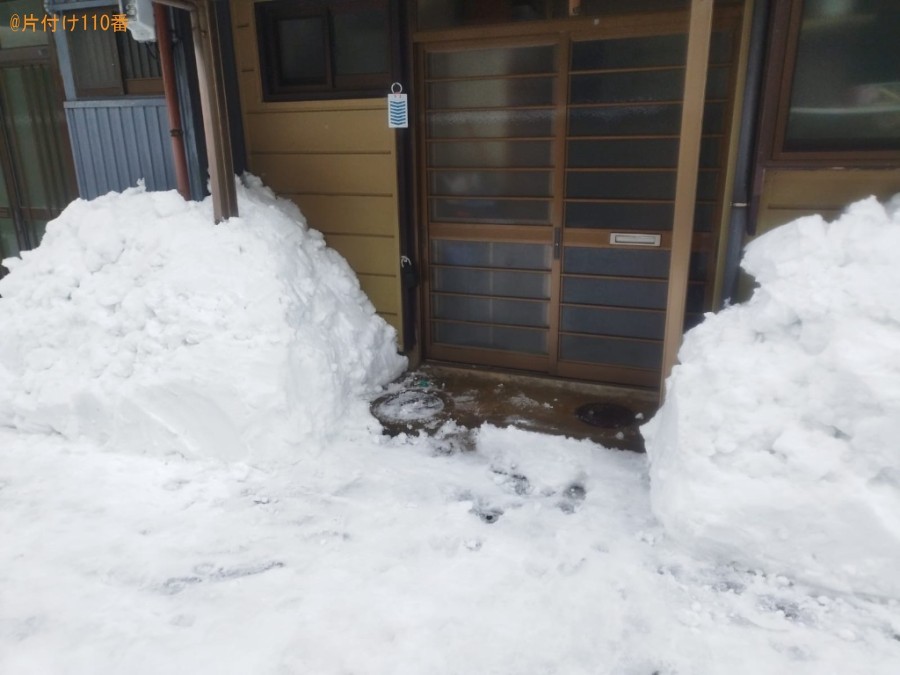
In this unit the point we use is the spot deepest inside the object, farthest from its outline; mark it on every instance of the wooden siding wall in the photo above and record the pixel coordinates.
(336, 160)
(791, 193)
(116, 142)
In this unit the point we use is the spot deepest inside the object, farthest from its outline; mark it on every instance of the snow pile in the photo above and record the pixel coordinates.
(141, 325)
(779, 442)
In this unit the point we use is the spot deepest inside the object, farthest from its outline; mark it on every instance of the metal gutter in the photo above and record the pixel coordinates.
(743, 179)
(167, 66)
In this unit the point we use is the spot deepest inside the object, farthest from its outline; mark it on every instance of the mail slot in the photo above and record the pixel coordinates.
(632, 239)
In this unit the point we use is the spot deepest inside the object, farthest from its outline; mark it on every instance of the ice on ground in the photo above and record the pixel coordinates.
(138, 323)
(778, 446)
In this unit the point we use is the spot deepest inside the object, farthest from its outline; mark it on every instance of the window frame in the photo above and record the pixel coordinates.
(785, 26)
(268, 13)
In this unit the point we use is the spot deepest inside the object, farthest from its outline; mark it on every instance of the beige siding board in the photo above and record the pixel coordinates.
(335, 160)
(245, 53)
(241, 11)
(326, 174)
(375, 104)
(773, 218)
(791, 193)
(367, 255)
(827, 189)
(343, 214)
(382, 291)
(360, 131)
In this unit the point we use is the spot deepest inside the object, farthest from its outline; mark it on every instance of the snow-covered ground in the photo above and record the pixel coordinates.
(376, 557)
(190, 483)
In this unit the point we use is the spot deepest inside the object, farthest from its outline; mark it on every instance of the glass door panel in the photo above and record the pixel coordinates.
(622, 147)
(489, 176)
(548, 177)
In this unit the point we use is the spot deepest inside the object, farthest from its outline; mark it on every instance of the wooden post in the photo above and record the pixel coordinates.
(212, 104)
(686, 181)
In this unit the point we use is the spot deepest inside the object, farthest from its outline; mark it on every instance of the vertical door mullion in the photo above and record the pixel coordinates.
(694, 99)
(559, 193)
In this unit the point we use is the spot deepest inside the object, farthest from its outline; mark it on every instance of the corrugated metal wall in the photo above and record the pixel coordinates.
(118, 142)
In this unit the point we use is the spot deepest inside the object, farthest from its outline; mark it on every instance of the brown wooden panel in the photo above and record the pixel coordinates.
(245, 54)
(251, 91)
(525, 234)
(826, 189)
(342, 214)
(326, 174)
(360, 131)
(633, 377)
(383, 291)
(241, 12)
(367, 255)
(773, 218)
(251, 95)
(489, 357)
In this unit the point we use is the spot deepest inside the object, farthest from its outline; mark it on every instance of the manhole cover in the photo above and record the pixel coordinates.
(606, 415)
(408, 407)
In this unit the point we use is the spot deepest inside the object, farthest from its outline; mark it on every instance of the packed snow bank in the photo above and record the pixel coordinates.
(140, 324)
(779, 442)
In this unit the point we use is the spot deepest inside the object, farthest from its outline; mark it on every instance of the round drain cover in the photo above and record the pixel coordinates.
(606, 415)
(409, 406)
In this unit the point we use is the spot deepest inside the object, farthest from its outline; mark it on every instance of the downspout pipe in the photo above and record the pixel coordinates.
(167, 66)
(213, 105)
(738, 225)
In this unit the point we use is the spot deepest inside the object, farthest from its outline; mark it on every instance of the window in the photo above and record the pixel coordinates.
(440, 14)
(840, 89)
(11, 39)
(110, 63)
(310, 50)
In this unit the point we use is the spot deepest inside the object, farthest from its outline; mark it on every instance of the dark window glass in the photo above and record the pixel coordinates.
(301, 50)
(660, 50)
(95, 62)
(490, 123)
(845, 93)
(629, 353)
(323, 49)
(616, 262)
(490, 154)
(619, 322)
(491, 183)
(490, 310)
(490, 254)
(501, 61)
(501, 212)
(361, 43)
(530, 91)
(640, 86)
(490, 337)
(499, 283)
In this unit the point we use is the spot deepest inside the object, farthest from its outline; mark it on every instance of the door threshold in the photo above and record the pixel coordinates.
(476, 395)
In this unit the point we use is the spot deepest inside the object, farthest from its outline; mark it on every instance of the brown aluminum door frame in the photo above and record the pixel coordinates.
(537, 363)
(700, 24)
(694, 99)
